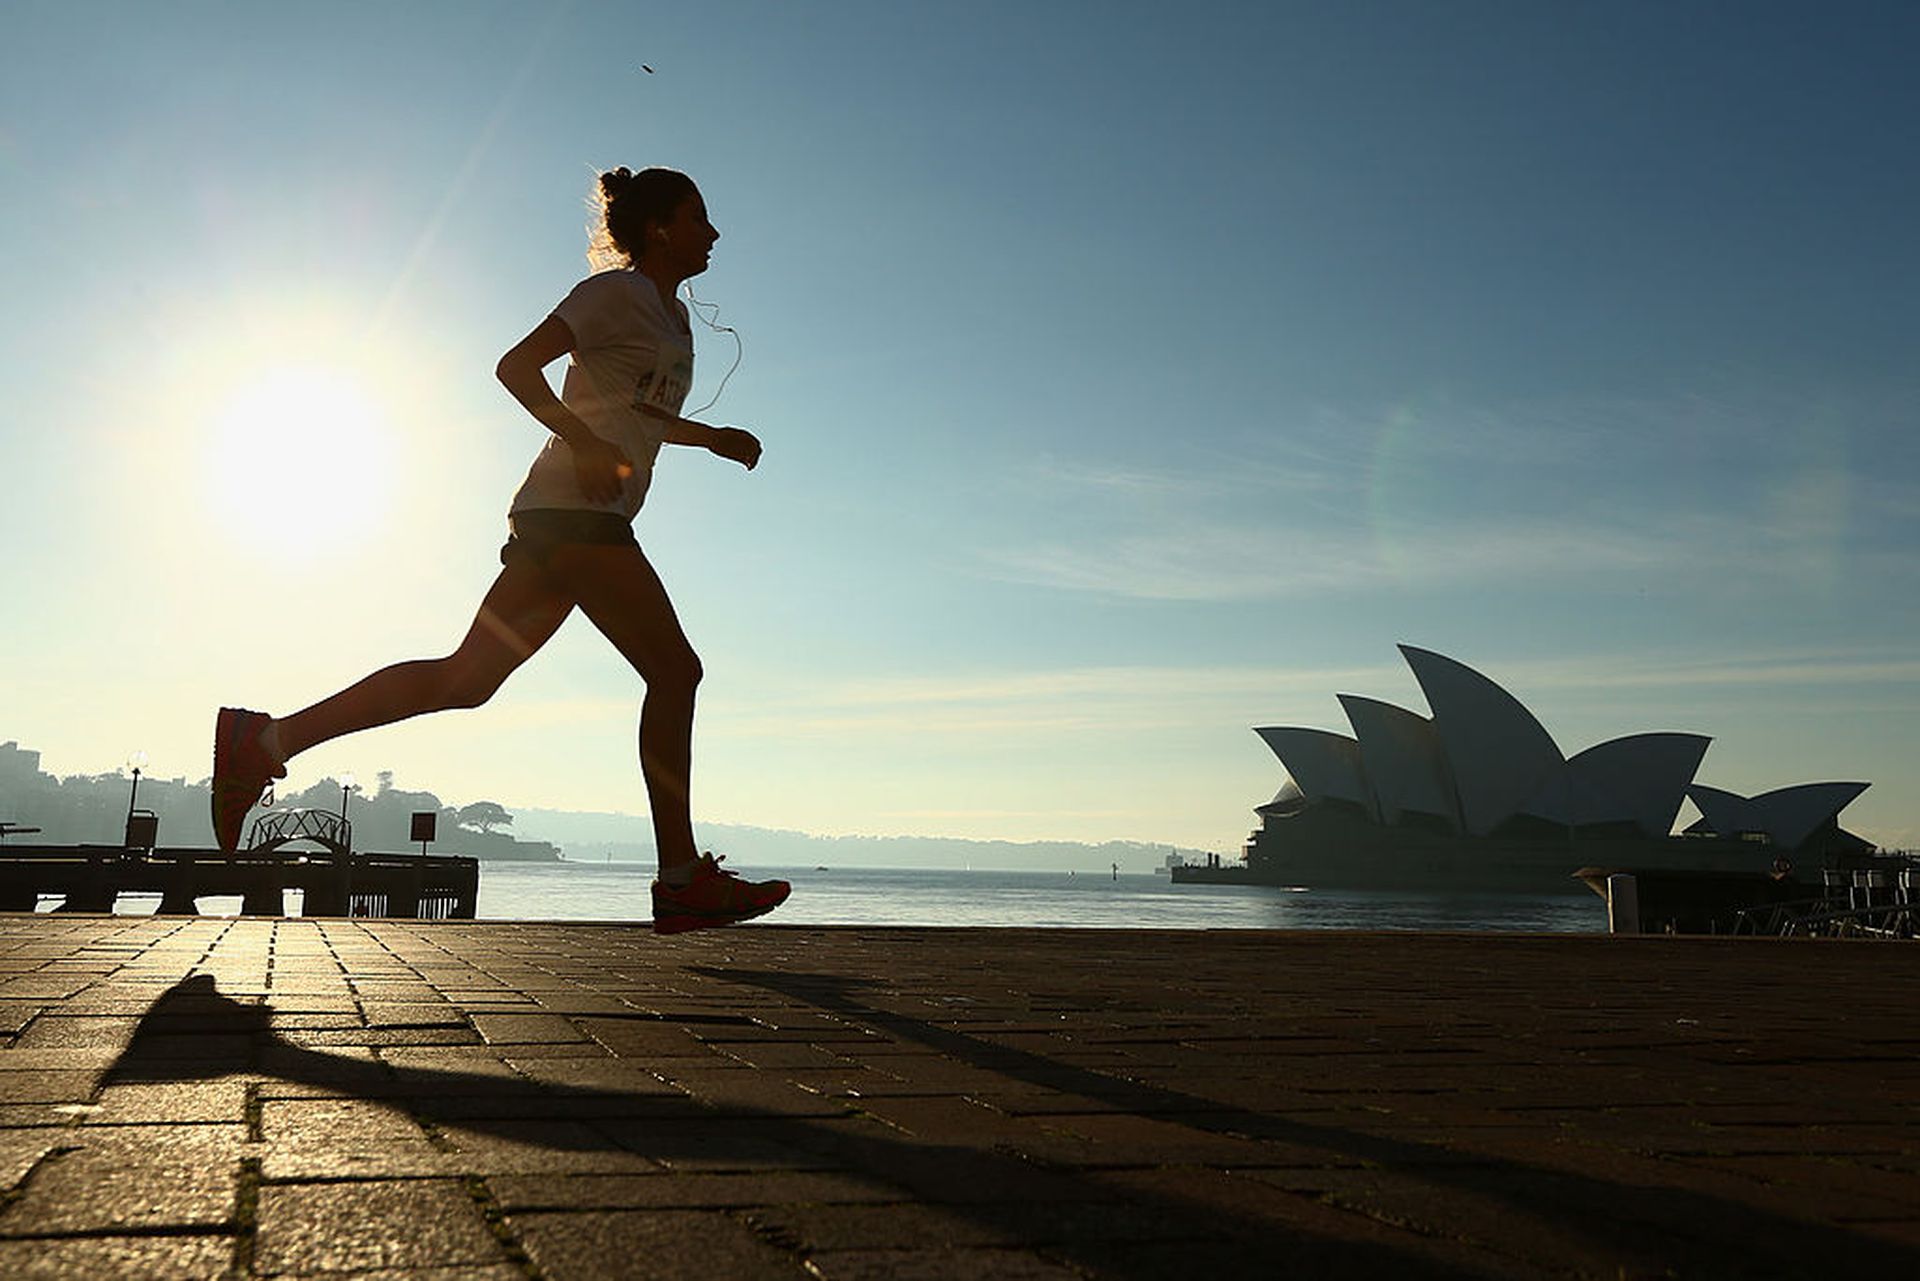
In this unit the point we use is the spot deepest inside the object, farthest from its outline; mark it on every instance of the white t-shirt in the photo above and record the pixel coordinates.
(628, 351)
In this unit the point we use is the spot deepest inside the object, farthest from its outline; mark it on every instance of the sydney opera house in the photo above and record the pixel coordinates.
(1479, 796)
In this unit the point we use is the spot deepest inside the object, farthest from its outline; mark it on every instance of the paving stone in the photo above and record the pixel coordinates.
(410, 1224)
(937, 1264)
(92, 1258)
(531, 1101)
(784, 1055)
(602, 1075)
(661, 1190)
(41, 1086)
(1001, 1223)
(640, 1038)
(329, 1038)
(494, 1272)
(40, 987)
(526, 1029)
(335, 1123)
(15, 1015)
(290, 1072)
(743, 1091)
(205, 1050)
(562, 1147)
(362, 1163)
(700, 1144)
(104, 1032)
(1275, 1257)
(58, 1059)
(943, 1174)
(668, 1244)
(464, 1060)
(110, 1179)
(1829, 1187)
(952, 1120)
(558, 1050)
(21, 1151)
(171, 1103)
(395, 1014)
(1040, 1104)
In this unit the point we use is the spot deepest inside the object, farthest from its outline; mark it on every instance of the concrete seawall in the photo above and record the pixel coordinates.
(194, 1097)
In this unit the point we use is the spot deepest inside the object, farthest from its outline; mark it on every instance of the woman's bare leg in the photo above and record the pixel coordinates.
(520, 613)
(618, 589)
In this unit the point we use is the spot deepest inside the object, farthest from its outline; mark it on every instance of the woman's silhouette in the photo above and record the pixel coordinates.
(571, 542)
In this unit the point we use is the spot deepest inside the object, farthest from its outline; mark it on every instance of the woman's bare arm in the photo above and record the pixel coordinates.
(737, 443)
(601, 466)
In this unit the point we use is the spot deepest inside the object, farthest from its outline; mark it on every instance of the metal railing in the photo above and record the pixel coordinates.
(1859, 902)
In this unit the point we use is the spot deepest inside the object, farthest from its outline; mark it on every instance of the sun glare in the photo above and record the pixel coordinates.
(300, 460)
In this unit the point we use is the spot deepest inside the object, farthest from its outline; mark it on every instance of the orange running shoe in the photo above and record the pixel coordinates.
(243, 770)
(715, 896)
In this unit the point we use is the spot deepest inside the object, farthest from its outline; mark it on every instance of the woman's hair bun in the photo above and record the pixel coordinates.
(623, 206)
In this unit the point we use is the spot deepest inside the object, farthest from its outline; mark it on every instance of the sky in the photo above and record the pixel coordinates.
(1130, 376)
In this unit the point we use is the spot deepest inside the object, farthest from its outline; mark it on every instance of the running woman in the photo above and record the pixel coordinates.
(571, 541)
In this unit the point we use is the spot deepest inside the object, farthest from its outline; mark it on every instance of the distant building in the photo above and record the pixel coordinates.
(17, 764)
(1479, 790)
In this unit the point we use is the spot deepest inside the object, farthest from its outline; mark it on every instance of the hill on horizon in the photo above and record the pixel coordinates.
(598, 836)
(92, 808)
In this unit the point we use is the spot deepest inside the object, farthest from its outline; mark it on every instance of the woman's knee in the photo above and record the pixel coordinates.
(467, 682)
(676, 669)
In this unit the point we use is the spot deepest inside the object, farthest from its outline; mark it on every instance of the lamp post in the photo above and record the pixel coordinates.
(141, 825)
(348, 785)
(135, 762)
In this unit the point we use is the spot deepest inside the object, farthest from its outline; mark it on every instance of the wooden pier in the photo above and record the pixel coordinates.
(332, 882)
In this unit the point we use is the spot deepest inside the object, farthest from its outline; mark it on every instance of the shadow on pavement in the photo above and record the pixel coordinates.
(1666, 1226)
(194, 1032)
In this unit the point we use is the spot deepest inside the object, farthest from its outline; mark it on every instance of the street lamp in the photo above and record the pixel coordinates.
(135, 762)
(142, 825)
(348, 786)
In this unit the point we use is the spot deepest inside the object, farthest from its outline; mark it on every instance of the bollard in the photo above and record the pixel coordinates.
(91, 891)
(178, 887)
(1623, 904)
(264, 896)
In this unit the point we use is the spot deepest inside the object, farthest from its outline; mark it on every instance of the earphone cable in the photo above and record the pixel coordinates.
(709, 314)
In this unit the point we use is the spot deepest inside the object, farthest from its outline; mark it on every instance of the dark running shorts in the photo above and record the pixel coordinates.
(534, 534)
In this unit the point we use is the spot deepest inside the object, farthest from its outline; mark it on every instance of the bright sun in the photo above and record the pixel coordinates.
(300, 460)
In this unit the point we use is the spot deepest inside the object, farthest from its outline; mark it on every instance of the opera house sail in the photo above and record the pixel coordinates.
(1476, 795)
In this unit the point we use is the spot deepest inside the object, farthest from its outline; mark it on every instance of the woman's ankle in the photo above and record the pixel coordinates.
(270, 739)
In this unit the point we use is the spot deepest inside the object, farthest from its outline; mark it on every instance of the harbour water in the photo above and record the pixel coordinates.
(897, 896)
(580, 891)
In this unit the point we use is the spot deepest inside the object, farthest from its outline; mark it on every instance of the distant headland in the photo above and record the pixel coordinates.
(93, 808)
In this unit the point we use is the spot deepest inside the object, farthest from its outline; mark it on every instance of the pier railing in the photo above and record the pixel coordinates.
(1854, 902)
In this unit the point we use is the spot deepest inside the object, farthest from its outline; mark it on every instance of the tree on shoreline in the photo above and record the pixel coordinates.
(485, 816)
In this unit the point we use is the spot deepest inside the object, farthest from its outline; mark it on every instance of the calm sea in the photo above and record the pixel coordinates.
(894, 896)
(899, 896)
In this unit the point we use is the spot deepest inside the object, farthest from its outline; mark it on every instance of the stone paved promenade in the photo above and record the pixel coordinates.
(214, 1098)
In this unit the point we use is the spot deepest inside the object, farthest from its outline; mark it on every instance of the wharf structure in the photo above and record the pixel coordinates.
(332, 878)
(1478, 796)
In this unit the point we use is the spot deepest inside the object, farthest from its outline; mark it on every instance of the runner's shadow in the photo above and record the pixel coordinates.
(196, 1032)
